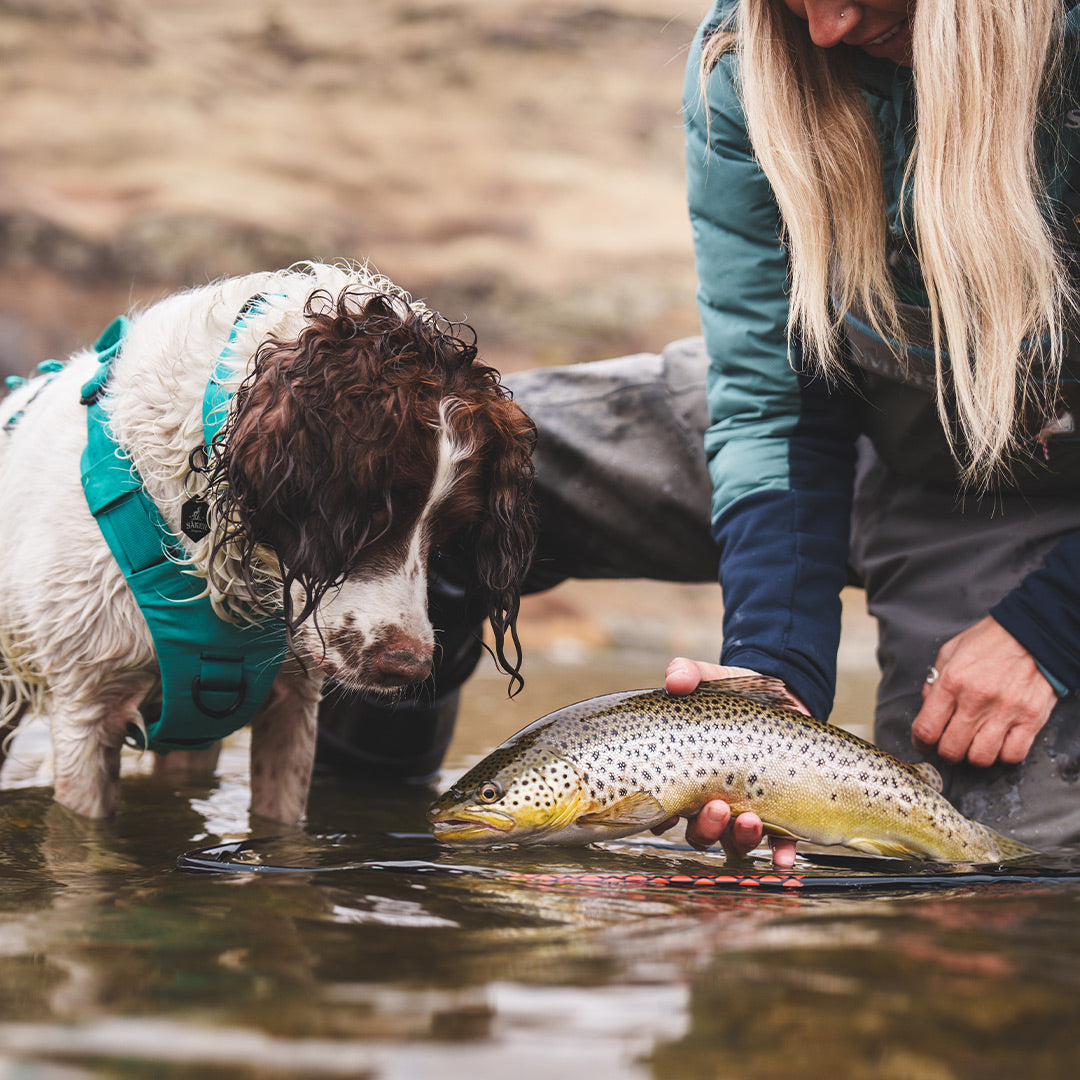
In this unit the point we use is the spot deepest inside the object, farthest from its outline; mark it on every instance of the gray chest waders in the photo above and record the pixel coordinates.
(900, 414)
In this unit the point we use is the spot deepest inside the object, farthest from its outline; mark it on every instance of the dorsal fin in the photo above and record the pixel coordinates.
(761, 688)
(929, 776)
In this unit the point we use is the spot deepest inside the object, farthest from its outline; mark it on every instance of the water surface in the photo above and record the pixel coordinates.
(115, 964)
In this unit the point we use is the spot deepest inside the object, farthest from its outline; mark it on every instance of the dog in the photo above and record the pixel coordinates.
(358, 432)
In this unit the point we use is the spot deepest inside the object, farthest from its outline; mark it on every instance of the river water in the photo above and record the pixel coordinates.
(114, 963)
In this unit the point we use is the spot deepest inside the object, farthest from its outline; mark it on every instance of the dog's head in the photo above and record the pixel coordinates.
(355, 450)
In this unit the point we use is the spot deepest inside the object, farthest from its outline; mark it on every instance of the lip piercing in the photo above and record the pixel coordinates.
(932, 677)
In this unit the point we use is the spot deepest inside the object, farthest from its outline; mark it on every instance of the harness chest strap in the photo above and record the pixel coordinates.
(215, 675)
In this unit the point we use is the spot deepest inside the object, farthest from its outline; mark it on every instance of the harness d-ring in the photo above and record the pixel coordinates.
(217, 714)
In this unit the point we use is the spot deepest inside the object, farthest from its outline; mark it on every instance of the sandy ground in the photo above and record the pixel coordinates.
(517, 164)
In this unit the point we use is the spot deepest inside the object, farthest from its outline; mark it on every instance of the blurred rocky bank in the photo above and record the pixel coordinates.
(518, 164)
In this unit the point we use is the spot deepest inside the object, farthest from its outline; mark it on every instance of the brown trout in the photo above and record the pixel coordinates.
(621, 763)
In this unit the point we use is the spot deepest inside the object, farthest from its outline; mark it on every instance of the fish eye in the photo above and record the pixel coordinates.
(489, 792)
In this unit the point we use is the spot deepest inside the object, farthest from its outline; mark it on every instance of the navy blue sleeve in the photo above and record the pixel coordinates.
(1043, 612)
(783, 554)
(780, 446)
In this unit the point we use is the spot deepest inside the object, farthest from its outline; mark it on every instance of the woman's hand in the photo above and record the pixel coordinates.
(987, 701)
(713, 823)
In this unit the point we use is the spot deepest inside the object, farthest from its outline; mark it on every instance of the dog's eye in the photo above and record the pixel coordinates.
(445, 528)
(378, 521)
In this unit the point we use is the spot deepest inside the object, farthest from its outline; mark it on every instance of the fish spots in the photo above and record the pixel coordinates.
(819, 776)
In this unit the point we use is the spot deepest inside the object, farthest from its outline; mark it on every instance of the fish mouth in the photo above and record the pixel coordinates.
(464, 827)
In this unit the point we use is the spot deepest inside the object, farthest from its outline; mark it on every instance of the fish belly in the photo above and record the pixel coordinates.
(831, 793)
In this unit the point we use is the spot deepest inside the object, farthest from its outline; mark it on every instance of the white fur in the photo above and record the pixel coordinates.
(73, 644)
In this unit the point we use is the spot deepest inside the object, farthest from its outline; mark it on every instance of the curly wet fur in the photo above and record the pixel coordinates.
(363, 432)
(328, 453)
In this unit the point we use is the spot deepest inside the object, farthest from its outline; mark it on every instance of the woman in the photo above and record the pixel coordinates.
(845, 254)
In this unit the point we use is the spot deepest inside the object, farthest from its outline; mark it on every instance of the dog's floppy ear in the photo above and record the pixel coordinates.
(507, 534)
(299, 461)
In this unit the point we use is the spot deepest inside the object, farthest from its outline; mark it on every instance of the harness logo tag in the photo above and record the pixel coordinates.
(195, 519)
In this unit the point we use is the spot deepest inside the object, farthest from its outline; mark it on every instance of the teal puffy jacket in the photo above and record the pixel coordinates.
(781, 446)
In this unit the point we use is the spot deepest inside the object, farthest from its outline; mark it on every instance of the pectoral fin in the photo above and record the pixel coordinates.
(638, 809)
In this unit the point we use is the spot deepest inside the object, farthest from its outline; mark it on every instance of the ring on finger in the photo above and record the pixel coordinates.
(932, 676)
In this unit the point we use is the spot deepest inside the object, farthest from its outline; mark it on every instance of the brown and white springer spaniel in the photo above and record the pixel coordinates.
(362, 433)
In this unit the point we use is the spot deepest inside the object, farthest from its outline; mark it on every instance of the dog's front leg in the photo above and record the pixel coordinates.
(8, 729)
(87, 737)
(283, 747)
(189, 764)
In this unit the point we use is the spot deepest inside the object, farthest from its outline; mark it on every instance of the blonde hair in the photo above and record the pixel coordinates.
(995, 278)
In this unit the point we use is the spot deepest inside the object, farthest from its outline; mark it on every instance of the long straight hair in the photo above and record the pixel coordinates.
(994, 275)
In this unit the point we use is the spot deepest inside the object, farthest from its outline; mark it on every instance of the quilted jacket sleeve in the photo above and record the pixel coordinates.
(781, 445)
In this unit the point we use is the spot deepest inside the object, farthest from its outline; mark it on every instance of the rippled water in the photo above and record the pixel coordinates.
(115, 964)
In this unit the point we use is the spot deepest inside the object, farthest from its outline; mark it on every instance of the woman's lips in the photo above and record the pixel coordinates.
(887, 36)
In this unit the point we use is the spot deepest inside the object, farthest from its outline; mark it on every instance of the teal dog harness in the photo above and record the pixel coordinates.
(215, 675)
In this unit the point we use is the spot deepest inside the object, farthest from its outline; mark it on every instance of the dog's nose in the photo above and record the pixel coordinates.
(401, 666)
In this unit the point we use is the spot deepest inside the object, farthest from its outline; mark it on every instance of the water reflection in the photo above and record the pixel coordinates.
(114, 964)
(904, 990)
